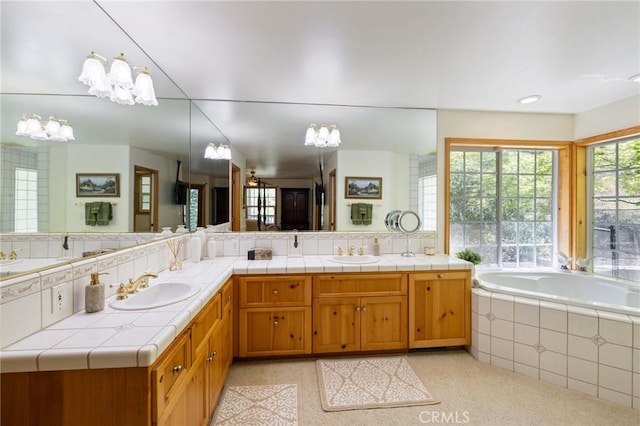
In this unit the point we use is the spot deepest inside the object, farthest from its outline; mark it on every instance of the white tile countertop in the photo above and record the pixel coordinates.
(115, 339)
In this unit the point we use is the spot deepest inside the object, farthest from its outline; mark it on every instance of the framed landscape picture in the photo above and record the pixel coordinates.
(97, 184)
(363, 187)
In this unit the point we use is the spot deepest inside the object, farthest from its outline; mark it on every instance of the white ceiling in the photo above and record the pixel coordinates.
(261, 71)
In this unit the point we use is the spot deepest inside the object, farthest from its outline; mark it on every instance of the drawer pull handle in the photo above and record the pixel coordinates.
(177, 369)
(357, 308)
(364, 309)
(228, 297)
(210, 359)
(275, 292)
(275, 323)
(440, 275)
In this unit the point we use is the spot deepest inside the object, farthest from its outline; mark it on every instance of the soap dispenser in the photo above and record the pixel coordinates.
(94, 294)
(376, 247)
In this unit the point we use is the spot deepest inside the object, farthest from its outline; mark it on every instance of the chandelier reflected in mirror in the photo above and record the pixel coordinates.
(55, 129)
(322, 137)
(118, 85)
(220, 152)
(252, 180)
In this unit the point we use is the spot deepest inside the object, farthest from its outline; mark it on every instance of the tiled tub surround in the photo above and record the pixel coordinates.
(592, 351)
(32, 327)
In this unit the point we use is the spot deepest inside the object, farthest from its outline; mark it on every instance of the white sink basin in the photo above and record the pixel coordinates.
(7, 262)
(355, 260)
(156, 295)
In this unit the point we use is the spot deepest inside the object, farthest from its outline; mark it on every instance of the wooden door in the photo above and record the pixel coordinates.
(295, 209)
(145, 197)
(336, 324)
(384, 323)
(236, 198)
(221, 206)
(332, 200)
(439, 310)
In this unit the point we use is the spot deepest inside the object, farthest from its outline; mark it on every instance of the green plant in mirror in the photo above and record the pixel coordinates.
(470, 256)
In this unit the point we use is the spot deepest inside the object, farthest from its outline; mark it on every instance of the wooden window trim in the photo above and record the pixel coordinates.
(565, 149)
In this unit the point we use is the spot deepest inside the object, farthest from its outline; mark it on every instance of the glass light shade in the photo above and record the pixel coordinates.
(22, 127)
(66, 132)
(120, 73)
(323, 137)
(52, 128)
(334, 138)
(121, 96)
(311, 136)
(33, 126)
(92, 72)
(101, 88)
(40, 135)
(210, 152)
(143, 90)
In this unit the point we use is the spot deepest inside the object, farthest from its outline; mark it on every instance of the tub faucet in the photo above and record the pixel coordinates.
(563, 260)
(584, 263)
(141, 282)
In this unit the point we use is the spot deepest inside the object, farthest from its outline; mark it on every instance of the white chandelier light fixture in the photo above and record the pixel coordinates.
(55, 129)
(322, 138)
(221, 152)
(118, 85)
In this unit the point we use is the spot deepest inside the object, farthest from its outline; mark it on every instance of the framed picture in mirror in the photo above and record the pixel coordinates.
(97, 184)
(369, 188)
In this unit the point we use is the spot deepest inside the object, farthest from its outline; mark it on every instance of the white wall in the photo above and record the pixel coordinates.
(169, 214)
(95, 159)
(391, 167)
(608, 118)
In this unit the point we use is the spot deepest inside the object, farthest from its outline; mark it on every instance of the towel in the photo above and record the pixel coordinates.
(356, 218)
(361, 213)
(97, 213)
(104, 214)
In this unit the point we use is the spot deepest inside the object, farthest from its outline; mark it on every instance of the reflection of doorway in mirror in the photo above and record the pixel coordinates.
(332, 200)
(145, 210)
(236, 197)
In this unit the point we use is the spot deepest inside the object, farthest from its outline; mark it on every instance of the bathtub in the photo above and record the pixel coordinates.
(572, 288)
(570, 329)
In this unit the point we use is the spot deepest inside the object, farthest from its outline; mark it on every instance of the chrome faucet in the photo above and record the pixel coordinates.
(563, 260)
(141, 282)
(583, 264)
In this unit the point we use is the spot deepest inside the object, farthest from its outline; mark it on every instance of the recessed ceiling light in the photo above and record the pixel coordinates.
(529, 99)
(635, 78)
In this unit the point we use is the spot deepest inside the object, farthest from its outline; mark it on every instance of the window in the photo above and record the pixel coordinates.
(267, 204)
(615, 208)
(145, 194)
(501, 205)
(26, 200)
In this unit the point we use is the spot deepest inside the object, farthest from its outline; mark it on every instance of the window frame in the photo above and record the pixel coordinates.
(274, 207)
(565, 229)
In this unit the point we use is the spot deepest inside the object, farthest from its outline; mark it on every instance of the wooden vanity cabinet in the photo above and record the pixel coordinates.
(440, 309)
(359, 312)
(274, 315)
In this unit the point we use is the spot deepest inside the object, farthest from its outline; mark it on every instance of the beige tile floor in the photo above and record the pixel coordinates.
(470, 392)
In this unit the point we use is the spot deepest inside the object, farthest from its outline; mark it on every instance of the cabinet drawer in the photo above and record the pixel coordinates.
(441, 275)
(360, 285)
(275, 291)
(169, 373)
(206, 320)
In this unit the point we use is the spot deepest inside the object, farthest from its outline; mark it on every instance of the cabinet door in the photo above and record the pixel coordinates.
(439, 309)
(384, 323)
(269, 331)
(215, 368)
(198, 409)
(169, 374)
(336, 324)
